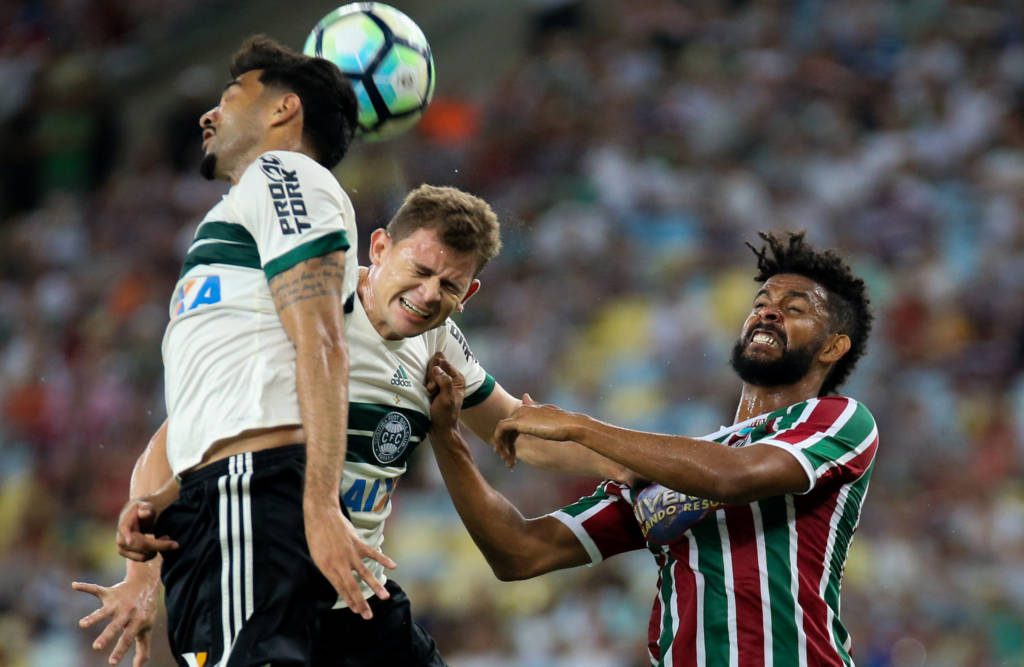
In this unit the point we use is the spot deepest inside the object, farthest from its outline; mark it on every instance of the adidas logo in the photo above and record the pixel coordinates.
(401, 378)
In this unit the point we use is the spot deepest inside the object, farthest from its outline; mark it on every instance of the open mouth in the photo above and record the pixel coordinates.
(766, 338)
(413, 309)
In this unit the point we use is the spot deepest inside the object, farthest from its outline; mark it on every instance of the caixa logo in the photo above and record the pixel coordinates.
(194, 293)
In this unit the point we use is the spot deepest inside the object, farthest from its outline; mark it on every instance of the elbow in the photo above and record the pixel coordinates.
(517, 566)
(509, 570)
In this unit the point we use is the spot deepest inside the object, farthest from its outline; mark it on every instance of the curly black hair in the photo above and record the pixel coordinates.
(329, 107)
(848, 302)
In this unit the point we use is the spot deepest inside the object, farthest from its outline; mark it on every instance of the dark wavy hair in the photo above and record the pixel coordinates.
(329, 109)
(848, 303)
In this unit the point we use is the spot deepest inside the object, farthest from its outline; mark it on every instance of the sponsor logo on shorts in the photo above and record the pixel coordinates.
(391, 438)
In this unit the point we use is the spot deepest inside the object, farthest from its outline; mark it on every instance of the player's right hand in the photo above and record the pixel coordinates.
(447, 385)
(338, 552)
(135, 538)
(131, 607)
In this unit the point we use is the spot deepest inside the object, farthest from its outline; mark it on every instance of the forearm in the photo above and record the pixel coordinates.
(570, 457)
(690, 465)
(322, 386)
(515, 547)
(152, 476)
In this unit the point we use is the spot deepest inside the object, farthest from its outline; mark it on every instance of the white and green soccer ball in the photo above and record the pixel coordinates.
(386, 57)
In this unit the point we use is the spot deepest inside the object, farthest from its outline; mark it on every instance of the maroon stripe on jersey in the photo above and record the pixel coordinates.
(813, 516)
(746, 574)
(614, 528)
(852, 469)
(684, 644)
(823, 415)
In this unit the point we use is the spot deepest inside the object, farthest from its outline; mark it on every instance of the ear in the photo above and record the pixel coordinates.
(380, 243)
(473, 288)
(834, 348)
(288, 106)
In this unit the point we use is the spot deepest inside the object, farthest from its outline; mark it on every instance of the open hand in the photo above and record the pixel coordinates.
(547, 422)
(338, 551)
(130, 607)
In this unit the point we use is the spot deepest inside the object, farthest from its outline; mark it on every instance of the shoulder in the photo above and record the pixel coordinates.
(287, 167)
(833, 412)
(450, 336)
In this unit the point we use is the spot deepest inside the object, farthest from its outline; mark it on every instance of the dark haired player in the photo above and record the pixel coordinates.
(757, 582)
(256, 543)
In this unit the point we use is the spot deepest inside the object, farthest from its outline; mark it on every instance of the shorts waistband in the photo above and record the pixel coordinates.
(226, 466)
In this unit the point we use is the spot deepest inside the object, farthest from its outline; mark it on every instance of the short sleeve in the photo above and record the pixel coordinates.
(479, 384)
(293, 208)
(604, 522)
(832, 438)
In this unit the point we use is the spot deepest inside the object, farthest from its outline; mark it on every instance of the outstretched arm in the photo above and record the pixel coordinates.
(310, 302)
(515, 547)
(567, 457)
(693, 466)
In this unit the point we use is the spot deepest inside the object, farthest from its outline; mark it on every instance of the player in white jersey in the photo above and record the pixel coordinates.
(256, 368)
(424, 267)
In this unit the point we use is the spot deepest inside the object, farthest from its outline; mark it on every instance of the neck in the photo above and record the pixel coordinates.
(278, 142)
(756, 400)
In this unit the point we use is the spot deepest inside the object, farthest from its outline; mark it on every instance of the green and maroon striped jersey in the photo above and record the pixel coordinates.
(754, 584)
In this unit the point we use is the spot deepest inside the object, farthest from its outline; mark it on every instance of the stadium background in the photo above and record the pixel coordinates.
(629, 149)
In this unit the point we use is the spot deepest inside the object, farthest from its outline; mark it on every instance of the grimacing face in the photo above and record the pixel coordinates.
(416, 283)
(233, 127)
(786, 329)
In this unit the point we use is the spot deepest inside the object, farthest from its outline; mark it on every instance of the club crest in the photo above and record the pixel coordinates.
(391, 437)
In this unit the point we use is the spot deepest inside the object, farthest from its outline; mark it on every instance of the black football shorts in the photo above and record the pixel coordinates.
(242, 589)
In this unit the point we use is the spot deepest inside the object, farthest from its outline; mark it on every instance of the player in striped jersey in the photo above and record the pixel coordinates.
(757, 581)
(424, 267)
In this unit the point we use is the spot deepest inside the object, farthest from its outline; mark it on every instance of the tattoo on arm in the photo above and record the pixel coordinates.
(315, 277)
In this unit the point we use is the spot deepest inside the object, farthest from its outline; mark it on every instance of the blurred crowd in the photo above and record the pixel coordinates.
(629, 149)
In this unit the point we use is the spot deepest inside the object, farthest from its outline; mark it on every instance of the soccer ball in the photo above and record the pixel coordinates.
(385, 56)
(664, 515)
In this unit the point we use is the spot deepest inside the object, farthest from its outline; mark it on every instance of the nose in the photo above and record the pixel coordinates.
(430, 290)
(770, 314)
(208, 118)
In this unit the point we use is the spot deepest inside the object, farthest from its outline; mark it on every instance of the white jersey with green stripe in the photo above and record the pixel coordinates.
(389, 415)
(229, 365)
(755, 583)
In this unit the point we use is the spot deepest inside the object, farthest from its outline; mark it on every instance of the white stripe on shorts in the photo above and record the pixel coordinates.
(235, 525)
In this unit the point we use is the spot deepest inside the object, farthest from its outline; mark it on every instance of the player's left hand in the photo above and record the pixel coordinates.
(131, 607)
(448, 386)
(548, 422)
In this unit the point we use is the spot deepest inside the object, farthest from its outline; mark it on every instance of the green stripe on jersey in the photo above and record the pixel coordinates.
(711, 565)
(774, 518)
(855, 431)
(840, 550)
(481, 394)
(316, 248)
(587, 502)
(225, 231)
(668, 610)
(232, 254)
(366, 417)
